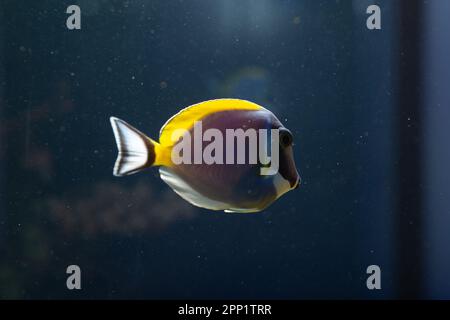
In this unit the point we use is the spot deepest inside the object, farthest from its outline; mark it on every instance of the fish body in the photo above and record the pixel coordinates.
(224, 184)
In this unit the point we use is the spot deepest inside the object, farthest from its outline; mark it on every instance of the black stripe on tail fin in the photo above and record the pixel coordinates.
(136, 150)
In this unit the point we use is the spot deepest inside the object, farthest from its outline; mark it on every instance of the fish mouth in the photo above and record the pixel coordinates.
(296, 184)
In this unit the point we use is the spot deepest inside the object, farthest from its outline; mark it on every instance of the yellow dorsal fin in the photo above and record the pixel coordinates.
(185, 118)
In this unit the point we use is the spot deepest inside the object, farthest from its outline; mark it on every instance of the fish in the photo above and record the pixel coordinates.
(208, 171)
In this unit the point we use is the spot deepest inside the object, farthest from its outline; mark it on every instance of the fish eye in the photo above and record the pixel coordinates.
(286, 138)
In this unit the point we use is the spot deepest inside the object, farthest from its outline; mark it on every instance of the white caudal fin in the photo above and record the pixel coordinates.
(136, 150)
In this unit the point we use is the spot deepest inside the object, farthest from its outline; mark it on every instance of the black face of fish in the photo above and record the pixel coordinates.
(287, 167)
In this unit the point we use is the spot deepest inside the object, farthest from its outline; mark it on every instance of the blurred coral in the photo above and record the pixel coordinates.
(112, 208)
(40, 161)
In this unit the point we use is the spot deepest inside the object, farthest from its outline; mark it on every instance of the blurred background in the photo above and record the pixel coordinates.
(369, 110)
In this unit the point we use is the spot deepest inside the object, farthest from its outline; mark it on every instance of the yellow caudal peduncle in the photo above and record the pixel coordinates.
(162, 155)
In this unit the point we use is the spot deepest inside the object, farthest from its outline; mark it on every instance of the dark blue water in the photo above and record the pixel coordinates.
(313, 63)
